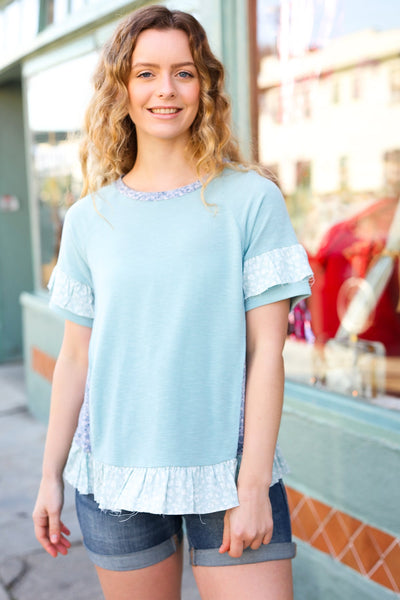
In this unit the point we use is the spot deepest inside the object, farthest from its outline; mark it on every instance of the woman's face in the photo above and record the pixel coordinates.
(164, 86)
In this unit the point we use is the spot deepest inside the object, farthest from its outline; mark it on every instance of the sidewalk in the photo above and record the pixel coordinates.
(27, 572)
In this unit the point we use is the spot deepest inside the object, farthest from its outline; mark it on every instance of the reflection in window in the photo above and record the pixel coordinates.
(395, 84)
(335, 91)
(303, 175)
(339, 169)
(392, 172)
(272, 104)
(55, 118)
(357, 85)
(344, 172)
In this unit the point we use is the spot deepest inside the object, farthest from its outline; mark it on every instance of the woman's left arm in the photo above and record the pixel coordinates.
(250, 523)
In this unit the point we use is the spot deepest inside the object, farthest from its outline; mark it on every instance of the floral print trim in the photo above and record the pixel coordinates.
(70, 294)
(276, 267)
(82, 433)
(241, 421)
(159, 490)
(155, 196)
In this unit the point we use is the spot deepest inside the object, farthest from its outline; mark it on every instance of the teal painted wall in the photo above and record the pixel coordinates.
(346, 454)
(15, 246)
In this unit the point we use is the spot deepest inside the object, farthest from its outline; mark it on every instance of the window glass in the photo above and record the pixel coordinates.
(328, 88)
(57, 99)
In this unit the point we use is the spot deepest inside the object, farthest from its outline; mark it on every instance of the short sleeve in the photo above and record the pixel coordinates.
(70, 285)
(275, 265)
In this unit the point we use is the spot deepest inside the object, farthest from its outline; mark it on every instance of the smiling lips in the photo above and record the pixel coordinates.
(164, 111)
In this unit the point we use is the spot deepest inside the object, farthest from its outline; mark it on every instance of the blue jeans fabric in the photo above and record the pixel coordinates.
(126, 541)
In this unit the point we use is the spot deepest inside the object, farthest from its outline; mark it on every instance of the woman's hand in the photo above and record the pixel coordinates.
(249, 524)
(50, 531)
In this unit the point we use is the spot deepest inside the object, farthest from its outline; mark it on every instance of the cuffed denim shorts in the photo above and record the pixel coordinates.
(126, 541)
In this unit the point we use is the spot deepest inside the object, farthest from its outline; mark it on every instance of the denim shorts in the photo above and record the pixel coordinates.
(125, 541)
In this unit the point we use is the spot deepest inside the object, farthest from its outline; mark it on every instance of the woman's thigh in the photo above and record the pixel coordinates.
(270, 580)
(161, 581)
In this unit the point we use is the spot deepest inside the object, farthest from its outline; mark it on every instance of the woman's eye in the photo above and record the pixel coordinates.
(145, 74)
(185, 74)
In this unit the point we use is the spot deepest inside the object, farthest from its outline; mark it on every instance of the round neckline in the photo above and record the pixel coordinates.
(156, 196)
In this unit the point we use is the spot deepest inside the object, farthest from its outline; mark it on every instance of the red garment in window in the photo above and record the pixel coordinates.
(348, 250)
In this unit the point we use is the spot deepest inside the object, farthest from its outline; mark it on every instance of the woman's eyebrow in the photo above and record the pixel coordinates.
(174, 66)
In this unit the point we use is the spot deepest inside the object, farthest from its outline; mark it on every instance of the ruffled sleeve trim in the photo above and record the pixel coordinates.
(159, 490)
(69, 294)
(276, 267)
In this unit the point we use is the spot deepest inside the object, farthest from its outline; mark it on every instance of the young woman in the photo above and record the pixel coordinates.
(176, 273)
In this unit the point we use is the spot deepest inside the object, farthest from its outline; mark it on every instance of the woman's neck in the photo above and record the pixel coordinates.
(160, 168)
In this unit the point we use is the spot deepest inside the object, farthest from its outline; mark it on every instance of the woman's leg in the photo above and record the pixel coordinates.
(161, 581)
(271, 580)
(138, 556)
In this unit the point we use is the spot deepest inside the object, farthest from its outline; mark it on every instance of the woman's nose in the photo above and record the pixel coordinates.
(166, 88)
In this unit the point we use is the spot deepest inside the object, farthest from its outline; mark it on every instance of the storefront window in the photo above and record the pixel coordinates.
(328, 88)
(57, 99)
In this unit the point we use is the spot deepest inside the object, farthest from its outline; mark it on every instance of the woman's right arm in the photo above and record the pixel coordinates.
(66, 400)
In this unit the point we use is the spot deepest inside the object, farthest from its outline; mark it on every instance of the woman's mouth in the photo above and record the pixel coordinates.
(164, 111)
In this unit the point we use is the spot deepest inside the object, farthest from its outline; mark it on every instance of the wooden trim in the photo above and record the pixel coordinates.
(254, 67)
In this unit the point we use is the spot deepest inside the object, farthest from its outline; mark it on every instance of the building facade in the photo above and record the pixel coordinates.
(315, 88)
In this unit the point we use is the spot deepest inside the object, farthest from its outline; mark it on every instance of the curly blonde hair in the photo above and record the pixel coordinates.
(109, 146)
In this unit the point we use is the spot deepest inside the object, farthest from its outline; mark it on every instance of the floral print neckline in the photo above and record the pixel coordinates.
(155, 196)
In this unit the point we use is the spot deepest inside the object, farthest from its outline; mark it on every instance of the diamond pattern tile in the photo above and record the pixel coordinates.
(306, 520)
(368, 550)
(42, 363)
(382, 539)
(368, 553)
(392, 560)
(322, 543)
(381, 576)
(351, 559)
(337, 534)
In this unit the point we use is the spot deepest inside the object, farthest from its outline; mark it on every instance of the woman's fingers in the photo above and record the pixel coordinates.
(65, 529)
(49, 531)
(267, 537)
(41, 533)
(236, 548)
(63, 546)
(256, 543)
(226, 537)
(54, 526)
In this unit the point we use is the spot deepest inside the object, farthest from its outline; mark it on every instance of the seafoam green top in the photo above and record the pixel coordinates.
(165, 284)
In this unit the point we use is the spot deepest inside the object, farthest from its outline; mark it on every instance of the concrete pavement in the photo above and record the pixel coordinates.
(26, 571)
